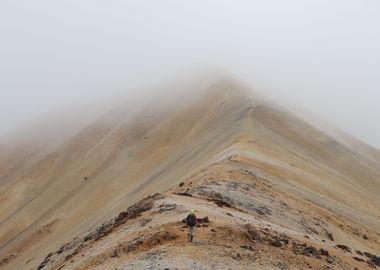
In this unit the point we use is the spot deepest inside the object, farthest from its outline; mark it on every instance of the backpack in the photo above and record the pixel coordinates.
(191, 220)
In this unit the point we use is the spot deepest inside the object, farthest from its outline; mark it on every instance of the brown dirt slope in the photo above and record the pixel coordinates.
(279, 194)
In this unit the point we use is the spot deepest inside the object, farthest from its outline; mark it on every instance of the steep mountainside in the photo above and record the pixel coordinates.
(278, 193)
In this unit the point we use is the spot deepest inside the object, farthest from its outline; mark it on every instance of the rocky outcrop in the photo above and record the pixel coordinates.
(373, 259)
(68, 250)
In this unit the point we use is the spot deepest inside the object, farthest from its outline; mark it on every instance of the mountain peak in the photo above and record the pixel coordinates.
(262, 177)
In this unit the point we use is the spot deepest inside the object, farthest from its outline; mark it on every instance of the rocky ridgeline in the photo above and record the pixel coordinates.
(244, 242)
(232, 194)
(69, 250)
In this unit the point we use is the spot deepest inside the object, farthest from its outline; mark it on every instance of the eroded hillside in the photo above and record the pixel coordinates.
(278, 193)
(247, 220)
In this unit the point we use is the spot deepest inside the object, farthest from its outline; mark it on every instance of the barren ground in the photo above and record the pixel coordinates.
(277, 193)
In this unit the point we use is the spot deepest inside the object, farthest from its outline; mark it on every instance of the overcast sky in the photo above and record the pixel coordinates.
(323, 56)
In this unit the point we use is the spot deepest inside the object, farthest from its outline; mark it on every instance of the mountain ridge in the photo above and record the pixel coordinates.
(118, 160)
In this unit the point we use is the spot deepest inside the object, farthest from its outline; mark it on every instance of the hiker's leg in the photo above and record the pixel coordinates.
(191, 229)
(189, 233)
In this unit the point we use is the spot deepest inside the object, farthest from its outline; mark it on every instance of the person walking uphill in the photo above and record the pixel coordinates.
(191, 220)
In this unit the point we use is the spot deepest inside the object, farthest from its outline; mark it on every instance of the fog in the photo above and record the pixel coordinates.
(320, 57)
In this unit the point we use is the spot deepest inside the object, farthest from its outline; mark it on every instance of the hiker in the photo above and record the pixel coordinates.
(191, 220)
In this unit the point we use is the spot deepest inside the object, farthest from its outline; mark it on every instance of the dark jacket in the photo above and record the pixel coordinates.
(191, 220)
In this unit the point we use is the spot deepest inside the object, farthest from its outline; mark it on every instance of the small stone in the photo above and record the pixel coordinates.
(330, 236)
(323, 252)
(344, 247)
(203, 220)
(248, 247)
(236, 256)
(275, 242)
(358, 259)
(115, 254)
(310, 251)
